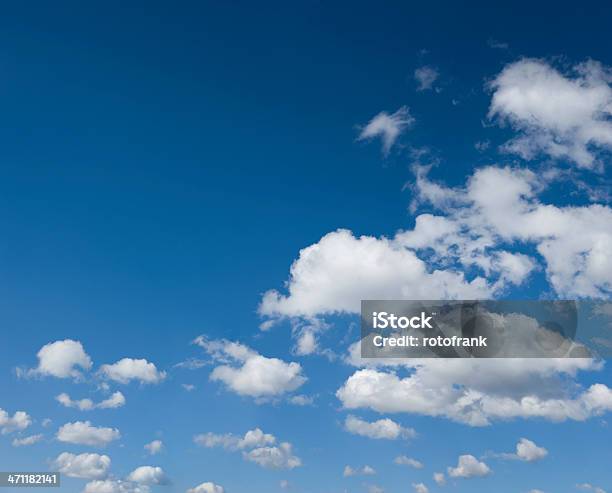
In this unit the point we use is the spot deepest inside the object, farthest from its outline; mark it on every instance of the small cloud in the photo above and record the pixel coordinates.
(402, 460)
(26, 441)
(497, 45)
(359, 471)
(388, 127)
(420, 488)
(426, 76)
(154, 447)
(188, 387)
(439, 478)
(469, 467)
(482, 145)
(385, 429)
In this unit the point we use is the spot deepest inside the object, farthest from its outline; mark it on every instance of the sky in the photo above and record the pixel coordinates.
(195, 197)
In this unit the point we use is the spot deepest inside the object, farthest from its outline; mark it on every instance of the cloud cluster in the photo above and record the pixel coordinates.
(246, 372)
(477, 392)
(114, 401)
(560, 115)
(19, 421)
(256, 446)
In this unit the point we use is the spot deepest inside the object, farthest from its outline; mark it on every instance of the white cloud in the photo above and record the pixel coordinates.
(527, 451)
(280, 457)
(246, 372)
(333, 275)
(62, 359)
(115, 486)
(477, 392)
(388, 127)
(358, 471)
(402, 460)
(252, 438)
(439, 478)
(256, 446)
(420, 488)
(83, 433)
(498, 209)
(426, 76)
(469, 467)
(128, 369)
(154, 447)
(148, 475)
(188, 387)
(385, 429)
(207, 488)
(19, 421)
(560, 115)
(301, 400)
(590, 487)
(84, 466)
(114, 401)
(26, 441)
(373, 488)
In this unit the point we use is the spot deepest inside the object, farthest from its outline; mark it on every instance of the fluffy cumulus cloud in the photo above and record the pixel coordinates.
(382, 429)
(527, 451)
(426, 76)
(27, 441)
(561, 115)
(439, 478)
(154, 447)
(256, 446)
(19, 421)
(246, 372)
(148, 475)
(499, 208)
(62, 359)
(420, 488)
(85, 466)
(477, 392)
(358, 471)
(84, 433)
(402, 460)
(388, 127)
(333, 275)
(128, 369)
(469, 466)
(115, 400)
(206, 488)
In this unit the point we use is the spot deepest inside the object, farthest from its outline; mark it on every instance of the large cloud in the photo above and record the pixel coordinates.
(256, 446)
(83, 433)
(333, 275)
(62, 359)
(128, 369)
(560, 115)
(477, 392)
(246, 372)
(85, 466)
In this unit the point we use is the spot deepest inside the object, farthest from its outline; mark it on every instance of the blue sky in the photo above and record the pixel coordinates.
(163, 166)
